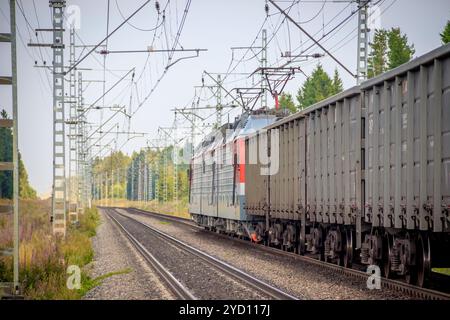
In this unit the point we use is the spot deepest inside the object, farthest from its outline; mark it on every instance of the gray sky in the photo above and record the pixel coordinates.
(211, 24)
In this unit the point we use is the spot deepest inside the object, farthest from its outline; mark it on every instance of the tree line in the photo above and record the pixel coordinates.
(126, 176)
(6, 177)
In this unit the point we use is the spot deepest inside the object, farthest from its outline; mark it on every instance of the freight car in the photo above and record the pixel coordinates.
(363, 176)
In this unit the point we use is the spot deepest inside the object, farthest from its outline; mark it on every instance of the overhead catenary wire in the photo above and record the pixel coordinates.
(135, 27)
(108, 36)
(312, 38)
(180, 28)
(30, 30)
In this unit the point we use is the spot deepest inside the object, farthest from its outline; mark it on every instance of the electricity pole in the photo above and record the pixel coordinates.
(71, 190)
(363, 34)
(14, 165)
(264, 65)
(81, 122)
(59, 179)
(59, 151)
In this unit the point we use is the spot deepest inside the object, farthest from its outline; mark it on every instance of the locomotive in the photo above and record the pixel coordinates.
(361, 177)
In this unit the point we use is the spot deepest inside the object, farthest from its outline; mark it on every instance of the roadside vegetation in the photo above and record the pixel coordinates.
(43, 258)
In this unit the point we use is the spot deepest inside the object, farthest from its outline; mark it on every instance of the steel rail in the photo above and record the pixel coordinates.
(226, 268)
(178, 289)
(399, 286)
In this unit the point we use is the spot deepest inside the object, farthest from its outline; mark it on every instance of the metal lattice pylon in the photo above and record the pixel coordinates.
(14, 165)
(363, 33)
(72, 185)
(175, 161)
(59, 178)
(264, 65)
(81, 127)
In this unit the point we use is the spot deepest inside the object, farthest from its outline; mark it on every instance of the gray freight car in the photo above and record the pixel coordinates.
(363, 175)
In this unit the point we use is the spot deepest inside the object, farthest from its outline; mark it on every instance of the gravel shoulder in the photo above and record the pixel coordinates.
(296, 277)
(114, 254)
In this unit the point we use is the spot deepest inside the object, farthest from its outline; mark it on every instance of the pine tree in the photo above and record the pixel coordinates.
(400, 51)
(317, 87)
(445, 35)
(337, 83)
(390, 49)
(286, 102)
(377, 63)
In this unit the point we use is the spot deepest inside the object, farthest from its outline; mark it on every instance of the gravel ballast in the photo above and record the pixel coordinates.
(114, 254)
(200, 278)
(296, 277)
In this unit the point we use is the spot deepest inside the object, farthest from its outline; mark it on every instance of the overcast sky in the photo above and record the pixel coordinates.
(210, 24)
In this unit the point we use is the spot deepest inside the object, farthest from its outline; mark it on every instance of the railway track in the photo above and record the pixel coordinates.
(410, 290)
(180, 290)
(176, 287)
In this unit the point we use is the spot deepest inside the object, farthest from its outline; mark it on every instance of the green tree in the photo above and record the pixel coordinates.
(445, 35)
(337, 83)
(317, 87)
(25, 190)
(6, 189)
(286, 102)
(400, 51)
(6, 153)
(377, 63)
(390, 49)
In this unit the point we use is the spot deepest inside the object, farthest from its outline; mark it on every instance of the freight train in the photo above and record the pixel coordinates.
(361, 177)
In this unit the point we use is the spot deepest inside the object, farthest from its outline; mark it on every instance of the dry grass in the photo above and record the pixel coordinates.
(43, 258)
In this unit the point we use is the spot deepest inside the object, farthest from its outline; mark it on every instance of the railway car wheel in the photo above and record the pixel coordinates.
(411, 275)
(347, 256)
(423, 259)
(301, 246)
(386, 255)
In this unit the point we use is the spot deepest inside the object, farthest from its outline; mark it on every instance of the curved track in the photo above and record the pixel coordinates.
(225, 268)
(411, 290)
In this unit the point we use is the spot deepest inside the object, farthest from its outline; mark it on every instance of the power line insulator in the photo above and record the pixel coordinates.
(157, 6)
(266, 8)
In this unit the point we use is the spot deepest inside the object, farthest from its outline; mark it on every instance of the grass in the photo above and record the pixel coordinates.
(445, 271)
(43, 258)
(89, 283)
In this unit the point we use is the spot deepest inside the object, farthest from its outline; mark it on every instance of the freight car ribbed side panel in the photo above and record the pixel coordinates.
(333, 160)
(408, 143)
(287, 185)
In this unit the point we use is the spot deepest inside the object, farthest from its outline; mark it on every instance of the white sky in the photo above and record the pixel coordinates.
(211, 24)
